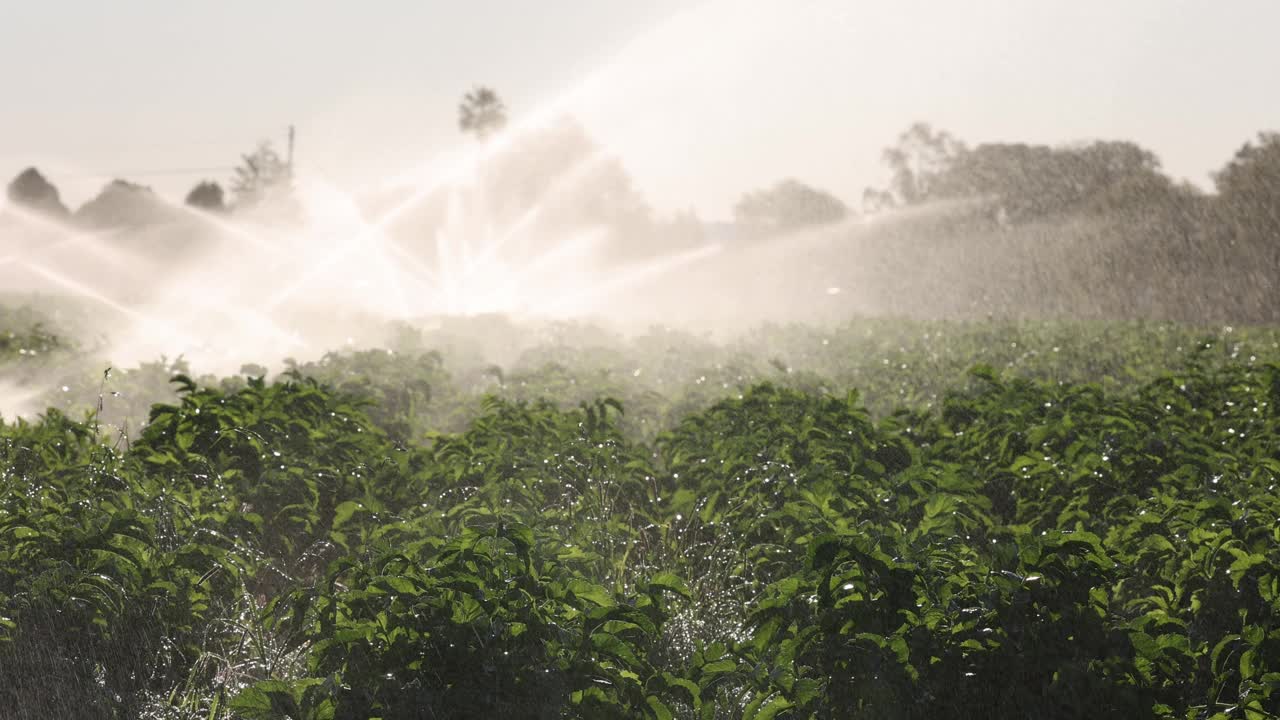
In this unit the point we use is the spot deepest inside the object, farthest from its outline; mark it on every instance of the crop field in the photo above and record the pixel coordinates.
(880, 519)
(670, 360)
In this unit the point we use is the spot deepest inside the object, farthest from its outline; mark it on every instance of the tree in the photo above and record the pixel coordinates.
(547, 184)
(1119, 175)
(788, 205)
(208, 196)
(482, 113)
(920, 156)
(263, 178)
(874, 200)
(1026, 181)
(557, 179)
(1038, 181)
(681, 231)
(120, 204)
(1249, 187)
(31, 190)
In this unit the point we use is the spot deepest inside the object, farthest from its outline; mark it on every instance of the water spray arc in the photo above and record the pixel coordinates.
(250, 286)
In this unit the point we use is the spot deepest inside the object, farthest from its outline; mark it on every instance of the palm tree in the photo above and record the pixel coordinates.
(482, 112)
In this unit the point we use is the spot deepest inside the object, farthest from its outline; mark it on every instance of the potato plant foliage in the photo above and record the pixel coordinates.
(386, 536)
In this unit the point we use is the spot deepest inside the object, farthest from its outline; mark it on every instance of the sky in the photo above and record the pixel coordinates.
(702, 100)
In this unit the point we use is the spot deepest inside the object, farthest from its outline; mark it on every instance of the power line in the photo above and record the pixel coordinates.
(178, 171)
(155, 173)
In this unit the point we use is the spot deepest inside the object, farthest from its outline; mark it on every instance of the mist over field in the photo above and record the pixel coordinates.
(718, 360)
(561, 206)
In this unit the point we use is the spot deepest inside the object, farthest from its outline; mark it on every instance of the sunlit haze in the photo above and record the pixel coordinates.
(659, 359)
(702, 100)
(620, 142)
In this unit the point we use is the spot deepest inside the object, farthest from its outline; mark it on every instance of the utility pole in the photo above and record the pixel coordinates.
(290, 156)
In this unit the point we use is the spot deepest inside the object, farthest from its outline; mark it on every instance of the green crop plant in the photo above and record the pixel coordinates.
(920, 520)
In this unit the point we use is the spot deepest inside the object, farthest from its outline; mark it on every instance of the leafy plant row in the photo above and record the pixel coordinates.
(1025, 548)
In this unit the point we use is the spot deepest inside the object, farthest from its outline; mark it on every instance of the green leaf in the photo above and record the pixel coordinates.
(1244, 562)
(1247, 668)
(660, 710)
(1224, 644)
(768, 709)
(691, 688)
(591, 592)
(806, 691)
(719, 667)
(267, 700)
(343, 512)
(670, 581)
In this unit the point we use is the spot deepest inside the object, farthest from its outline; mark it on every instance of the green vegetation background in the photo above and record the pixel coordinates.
(881, 519)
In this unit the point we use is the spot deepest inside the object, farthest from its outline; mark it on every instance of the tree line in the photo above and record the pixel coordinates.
(1020, 182)
(1013, 183)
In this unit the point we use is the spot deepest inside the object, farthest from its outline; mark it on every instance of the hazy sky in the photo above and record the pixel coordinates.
(702, 100)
